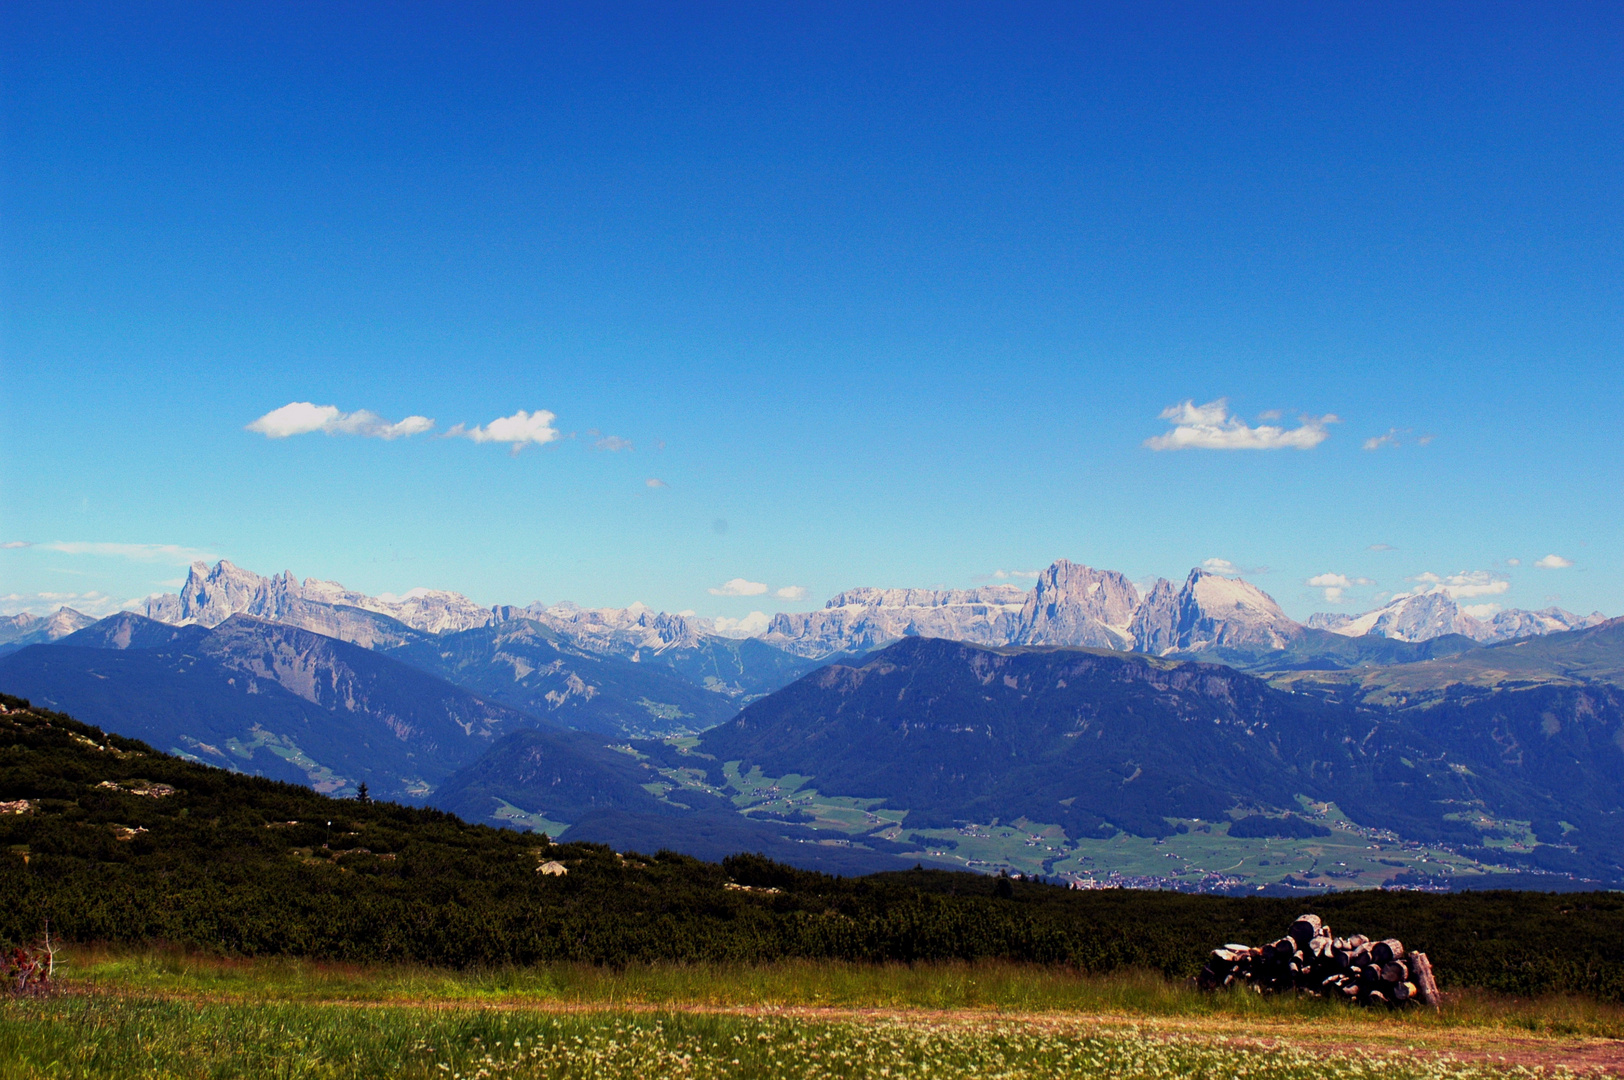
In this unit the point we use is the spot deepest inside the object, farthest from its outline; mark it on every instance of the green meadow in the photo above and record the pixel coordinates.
(158, 1013)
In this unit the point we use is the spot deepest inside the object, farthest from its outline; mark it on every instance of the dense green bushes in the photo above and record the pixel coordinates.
(244, 865)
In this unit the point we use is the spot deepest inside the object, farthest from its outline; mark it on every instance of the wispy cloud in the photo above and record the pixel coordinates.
(656, 482)
(1225, 568)
(612, 443)
(791, 592)
(12, 544)
(1465, 584)
(1480, 611)
(1336, 585)
(1553, 562)
(1381, 547)
(1513, 562)
(171, 554)
(303, 418)
(739, 587)
(517, 431)
(1210, 427)
(1005, 575)
(1376, 442)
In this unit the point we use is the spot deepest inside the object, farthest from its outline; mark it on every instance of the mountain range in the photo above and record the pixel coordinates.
(958, 726)
(1069, 604)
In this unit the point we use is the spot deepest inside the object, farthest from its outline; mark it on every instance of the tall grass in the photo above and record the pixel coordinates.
(994, 987)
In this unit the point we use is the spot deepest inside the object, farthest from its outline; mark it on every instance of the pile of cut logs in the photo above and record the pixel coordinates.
(1310, 961)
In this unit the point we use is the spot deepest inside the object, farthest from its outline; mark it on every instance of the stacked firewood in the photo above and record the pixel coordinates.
(1309, 960)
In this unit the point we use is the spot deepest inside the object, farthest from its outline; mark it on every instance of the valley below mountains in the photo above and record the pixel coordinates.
(1189, 736)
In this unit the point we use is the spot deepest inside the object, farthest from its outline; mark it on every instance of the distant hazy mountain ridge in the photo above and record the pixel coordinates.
(20, 631)
(1422, 616)
(859, 620)
(1070, 604)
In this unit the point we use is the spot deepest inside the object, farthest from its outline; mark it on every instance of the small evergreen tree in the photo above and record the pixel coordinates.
(361, 793)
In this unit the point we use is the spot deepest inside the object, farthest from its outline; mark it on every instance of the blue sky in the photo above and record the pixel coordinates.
(880, 294)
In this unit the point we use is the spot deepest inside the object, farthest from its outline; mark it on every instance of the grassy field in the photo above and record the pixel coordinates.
(157, 1013)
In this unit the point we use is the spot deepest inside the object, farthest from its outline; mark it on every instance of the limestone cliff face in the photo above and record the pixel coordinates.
(1074, 604)
(859, 620)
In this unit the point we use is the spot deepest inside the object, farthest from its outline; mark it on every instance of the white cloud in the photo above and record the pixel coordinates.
(1379, 441)
(1210, 427)
(172, 554)
(1225, 568)
(739, 587)
(1513, 562)
(1466, 584)
(1336, 585)
(9, 544)
(791, 592)
(1553, 562)
(612, 443)
(1005, 575)
(1480, 611)
(302, 418)
(517, 430)
(1381, 547)
(656, 482)
(752, 624)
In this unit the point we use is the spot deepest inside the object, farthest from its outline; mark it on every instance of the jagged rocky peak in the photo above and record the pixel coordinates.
(1074, 604)
(211, 596)
(1329, 620)
(1155, 624)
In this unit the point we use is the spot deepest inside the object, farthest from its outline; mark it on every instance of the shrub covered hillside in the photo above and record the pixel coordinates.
(113, 841)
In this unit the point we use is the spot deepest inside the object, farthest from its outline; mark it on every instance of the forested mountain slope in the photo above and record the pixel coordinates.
(1096, 742)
